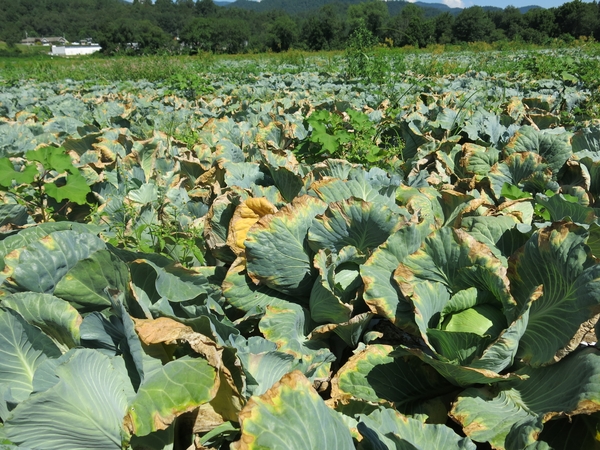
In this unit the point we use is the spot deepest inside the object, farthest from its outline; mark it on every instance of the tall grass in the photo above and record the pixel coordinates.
(437, 60)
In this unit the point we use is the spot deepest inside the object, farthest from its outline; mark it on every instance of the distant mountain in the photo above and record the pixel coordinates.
(295, 7)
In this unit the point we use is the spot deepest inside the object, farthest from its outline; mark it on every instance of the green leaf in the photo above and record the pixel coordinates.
(291, 415)
(52, 158)
(480, 319)
(180, 386)
(332, 292)
(333, 190)
(553, 145)
(277, 250)
(569, 387)
(242, 174)
(499, 233)
(84, 409)
(501, 353)
(462, 376)
(262, 363)
(23, 347)
(350, 332)
(288, 327)
(478, 160)
(513, 192)
(381, 292)
(290, 184)
(372, 375)
(217, 224)
(522, 171)
(425, 205)
(179, 284)
(458, 347)
(387, 429)
(54, 316)
(13, 214)
(85, 283)
(75, 190)
(561, 209)
(43, 263)
(241, 292)
(555, 258)
(452, 257)
(352, 223)
(8, 174)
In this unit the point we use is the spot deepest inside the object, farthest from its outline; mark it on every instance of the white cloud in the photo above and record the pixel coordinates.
(454, 3)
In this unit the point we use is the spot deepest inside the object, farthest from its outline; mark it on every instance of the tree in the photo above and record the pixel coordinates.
(198, 34)
(373, 14)
(410, 28)
(539, 25)
(325, 30)
(510, 21)
(282, 33)
(206, 8)
(442, 28)
(124, 35)
(578, 18)
(472, 25)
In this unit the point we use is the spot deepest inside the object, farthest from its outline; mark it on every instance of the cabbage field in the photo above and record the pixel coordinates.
(303, 257)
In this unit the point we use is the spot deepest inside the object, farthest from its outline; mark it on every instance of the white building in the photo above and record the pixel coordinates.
(73, 50)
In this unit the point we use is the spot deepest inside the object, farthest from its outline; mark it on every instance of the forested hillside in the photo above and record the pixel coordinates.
(188, 26)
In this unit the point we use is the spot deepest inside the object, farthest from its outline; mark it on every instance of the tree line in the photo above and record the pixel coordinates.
(145, 26)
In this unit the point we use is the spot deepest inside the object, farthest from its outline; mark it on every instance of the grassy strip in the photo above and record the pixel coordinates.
(438, 60)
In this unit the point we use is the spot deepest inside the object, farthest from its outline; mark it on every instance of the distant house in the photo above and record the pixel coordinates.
(44, 40)
(73, 50)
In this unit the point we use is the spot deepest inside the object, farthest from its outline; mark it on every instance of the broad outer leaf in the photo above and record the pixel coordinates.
(399, 432)
(56, 317)
(455, 259)
(350, 331)
(241, 292)
(277, 250)
(462, 376)
(23, 348)
(555, 148)
(287, 327)
(217, 224)
(381, 293)
(354, 223)
(291, 415)
(557, 259)
(571, 386)
(43, 263)
(227, 399)
(84, 409)
(373, 375)
(181, 386)
(523, 170)
(84, 285)
(263, 364)
(29, 235)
